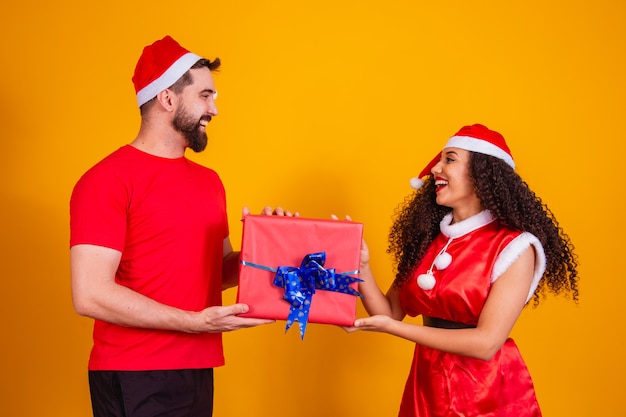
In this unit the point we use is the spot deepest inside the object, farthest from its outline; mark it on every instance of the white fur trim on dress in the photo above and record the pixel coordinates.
(464, 227)
(513, 251)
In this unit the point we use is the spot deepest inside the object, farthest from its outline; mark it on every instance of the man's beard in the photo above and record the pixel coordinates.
(192, 130)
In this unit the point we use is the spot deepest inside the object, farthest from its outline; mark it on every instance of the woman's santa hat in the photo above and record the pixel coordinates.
(475, 138)
(161, 65)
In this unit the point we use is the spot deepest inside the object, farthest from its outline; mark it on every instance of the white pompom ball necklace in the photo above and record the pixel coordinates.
(443, 260)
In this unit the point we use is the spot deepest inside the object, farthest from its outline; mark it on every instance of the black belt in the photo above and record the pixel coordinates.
(445, 324)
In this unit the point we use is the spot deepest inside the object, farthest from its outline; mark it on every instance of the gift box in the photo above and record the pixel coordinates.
(299, 269)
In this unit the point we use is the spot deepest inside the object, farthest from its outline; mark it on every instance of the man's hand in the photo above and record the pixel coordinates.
(268, 211)
(223, 319)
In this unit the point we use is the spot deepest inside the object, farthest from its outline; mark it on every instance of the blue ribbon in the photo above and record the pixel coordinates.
(301, 283)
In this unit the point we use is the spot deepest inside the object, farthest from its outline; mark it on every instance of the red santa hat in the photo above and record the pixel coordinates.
(160, 65)
(475, 138)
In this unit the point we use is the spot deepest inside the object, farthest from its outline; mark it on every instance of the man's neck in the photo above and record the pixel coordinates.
(163, 142)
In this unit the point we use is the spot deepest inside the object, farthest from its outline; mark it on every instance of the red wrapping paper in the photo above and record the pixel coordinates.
(275, 241)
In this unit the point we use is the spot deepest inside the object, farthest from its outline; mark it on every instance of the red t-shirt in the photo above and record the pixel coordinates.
(168, 219)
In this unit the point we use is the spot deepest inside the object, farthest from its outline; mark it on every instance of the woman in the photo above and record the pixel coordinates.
(472, 247)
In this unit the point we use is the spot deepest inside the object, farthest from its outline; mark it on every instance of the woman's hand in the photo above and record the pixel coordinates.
(378, 323)
(365, 252)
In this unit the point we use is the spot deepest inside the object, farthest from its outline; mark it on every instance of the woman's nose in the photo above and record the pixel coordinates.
(436, 168)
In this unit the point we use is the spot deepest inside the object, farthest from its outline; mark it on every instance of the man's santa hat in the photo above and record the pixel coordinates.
(475, 138)
(160, 65)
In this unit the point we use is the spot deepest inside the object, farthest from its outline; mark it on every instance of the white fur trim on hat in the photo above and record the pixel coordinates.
(513, 251)
(481, 146)
(169, 77)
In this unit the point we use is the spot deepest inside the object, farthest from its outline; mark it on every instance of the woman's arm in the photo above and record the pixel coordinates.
(502, 308)
(374, 301)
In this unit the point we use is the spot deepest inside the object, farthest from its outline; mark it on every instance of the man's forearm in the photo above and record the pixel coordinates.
(230, 270)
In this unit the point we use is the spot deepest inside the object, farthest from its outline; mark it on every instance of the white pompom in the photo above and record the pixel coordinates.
(416, 183)
(426, 281)
(443, 261)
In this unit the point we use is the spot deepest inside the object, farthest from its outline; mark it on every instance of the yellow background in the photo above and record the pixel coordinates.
(325, 107)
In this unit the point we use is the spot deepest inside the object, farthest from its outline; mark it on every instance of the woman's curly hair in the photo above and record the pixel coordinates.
(503, 192)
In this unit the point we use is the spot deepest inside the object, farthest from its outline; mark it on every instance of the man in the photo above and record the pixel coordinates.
(150, 252)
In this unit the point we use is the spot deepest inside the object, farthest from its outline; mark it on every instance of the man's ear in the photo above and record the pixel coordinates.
(167, 99)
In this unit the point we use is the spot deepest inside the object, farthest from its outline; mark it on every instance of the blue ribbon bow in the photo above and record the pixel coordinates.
(301, 283)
